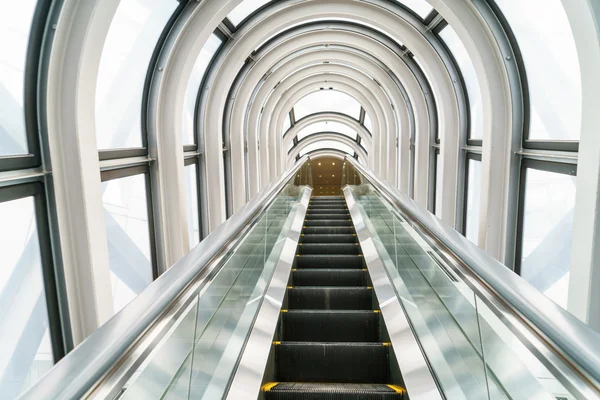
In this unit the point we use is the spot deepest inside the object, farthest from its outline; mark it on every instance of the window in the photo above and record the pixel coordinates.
(421, 7)
(327, 126)
(193, 86)
(546, 226)
(244, 9)
(125, 198)
(29, 339)
(368, 124)
(15, 23)
(548, 48)
(191, 198)
(438, 183)
(327, 101)
(287, 124)
(129, 46)
(467, 70)
(327, 144)
(473, 198)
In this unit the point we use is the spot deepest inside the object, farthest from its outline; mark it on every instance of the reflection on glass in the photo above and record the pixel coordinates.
(327, 101)
(473, 200)
(244, 9)
(193, 86)
(327, 144)
(327, 126)
(438, 184)
(15, 22)
(132, 36)
(25, 353)
(368, 124)
(547, 230)
(552, 66)
(470, 77)
(128, 235)
(191, 199)
(421, 7)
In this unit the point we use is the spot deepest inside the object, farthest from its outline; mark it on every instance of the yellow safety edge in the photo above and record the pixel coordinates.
(396, 388)
(268, 386)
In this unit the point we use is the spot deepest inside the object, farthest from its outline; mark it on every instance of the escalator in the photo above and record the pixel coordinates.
(360, 296)
(330, 335)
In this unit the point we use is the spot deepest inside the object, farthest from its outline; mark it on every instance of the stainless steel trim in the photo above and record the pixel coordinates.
(415, 370)
(249, 374)
(564, 333)
(81, 369)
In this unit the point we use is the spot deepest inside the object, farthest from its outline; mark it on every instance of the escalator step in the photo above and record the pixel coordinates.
(330, 298)
(329, 248)
(329, 261)
(328, 222)
(328, 230)
(330, 326)
(320, 211)
(316, 238)
(312, 217)
(331, 391)
(332, 362)
(329, 277)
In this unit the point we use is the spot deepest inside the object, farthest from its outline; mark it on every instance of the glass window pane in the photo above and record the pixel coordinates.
(327, 144)
(473, 200)
(128, 235)
(193, 86)
(421, 7)
(191, 198)
(471, 82)
(327, 126)
(286, 125)
(438, 184)
(548, 48)
(368, 124)
(327, 101)
(547, 229)
(244, 9)
(26, 351)
(15, 22)
(129, 45)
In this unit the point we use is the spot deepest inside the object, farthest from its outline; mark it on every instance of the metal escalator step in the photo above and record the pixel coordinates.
(328, 230)
(332, 362)
(329, 277)
(329, 261)
(320, 211)
(330, 298)
(329, 248)
(336, 238)
(328, 222)
(331, 391)
(313, 217)
(330, 326)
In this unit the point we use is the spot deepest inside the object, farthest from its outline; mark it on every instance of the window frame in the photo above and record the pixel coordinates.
(194, 160)
(468, 156)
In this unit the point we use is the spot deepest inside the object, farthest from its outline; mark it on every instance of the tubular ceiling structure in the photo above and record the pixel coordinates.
(145, 125)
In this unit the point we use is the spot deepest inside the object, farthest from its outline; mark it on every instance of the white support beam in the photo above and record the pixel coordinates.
(584, 282)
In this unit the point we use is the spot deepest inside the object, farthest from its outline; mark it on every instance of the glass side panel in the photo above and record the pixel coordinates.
(473, 200)
(327, 126)
(421, 7)
(193, 86)
(129, 45)
(26, 353)
(191, 200)
(552, 67)
(15, 23)
(472, 352)
(368, 123)
(327, 101)
(199, 354)
(470, 77)
(547, 230)
(327, 144)
(244, 9)
(128, 236)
